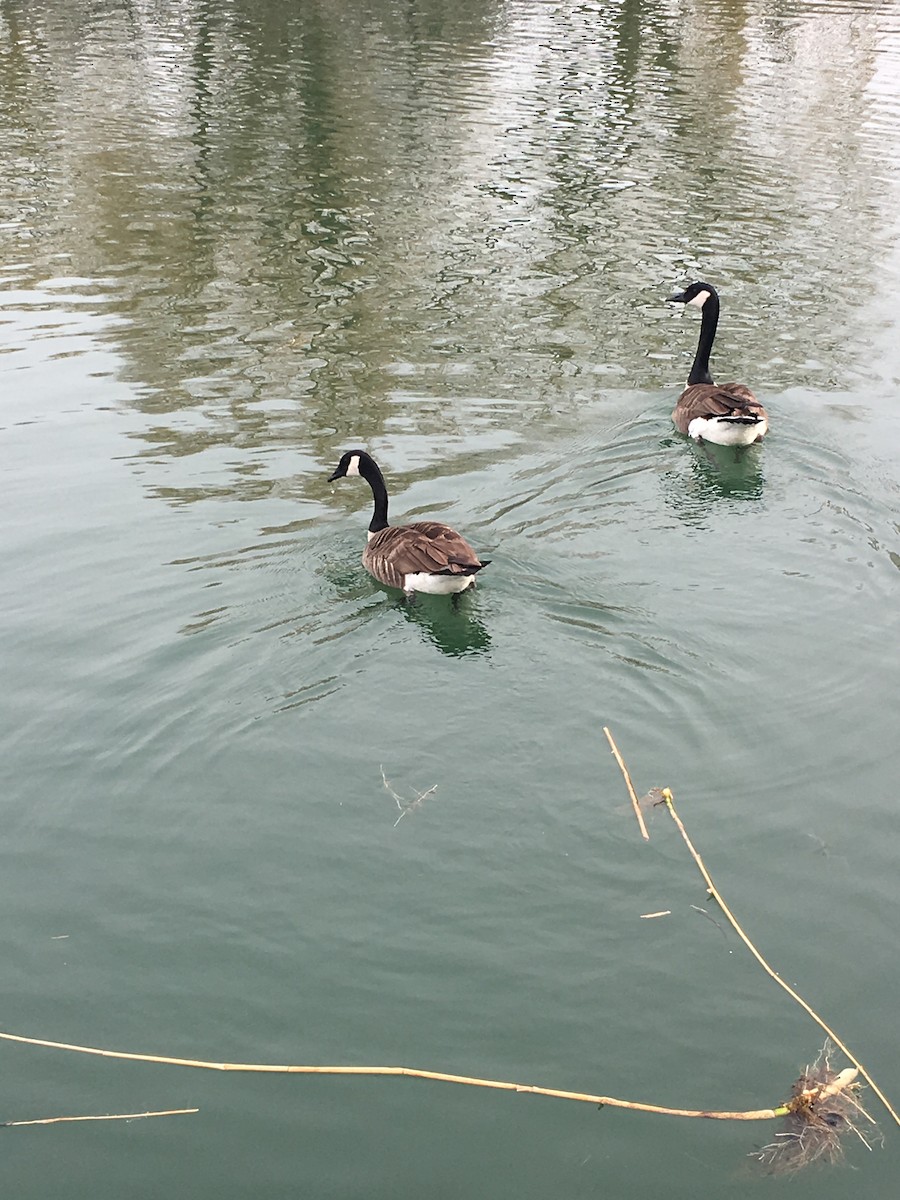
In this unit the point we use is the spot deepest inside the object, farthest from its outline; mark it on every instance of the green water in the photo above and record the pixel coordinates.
(238, 239)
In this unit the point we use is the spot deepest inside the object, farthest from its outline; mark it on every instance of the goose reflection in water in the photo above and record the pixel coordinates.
(456, 630)
(711, 475)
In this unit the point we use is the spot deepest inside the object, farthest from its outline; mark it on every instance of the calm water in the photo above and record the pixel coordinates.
(238, 239)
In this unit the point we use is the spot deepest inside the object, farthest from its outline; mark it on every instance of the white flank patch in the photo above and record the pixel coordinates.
(700, 299)
(353, 465)
(725, 433)
(436, 585)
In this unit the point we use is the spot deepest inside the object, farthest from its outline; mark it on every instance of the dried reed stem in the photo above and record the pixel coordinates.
(762, 1114)
(631, 792)
(667, 796)
(169, 1112)
(733, 921)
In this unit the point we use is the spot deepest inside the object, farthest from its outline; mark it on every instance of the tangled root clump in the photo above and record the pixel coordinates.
(824, 1109)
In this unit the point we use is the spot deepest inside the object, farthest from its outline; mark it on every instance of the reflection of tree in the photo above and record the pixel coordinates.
(25, 88)
(336, 221)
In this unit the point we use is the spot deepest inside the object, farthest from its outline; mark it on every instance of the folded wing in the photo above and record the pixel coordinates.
(728, 401)
(427, 547)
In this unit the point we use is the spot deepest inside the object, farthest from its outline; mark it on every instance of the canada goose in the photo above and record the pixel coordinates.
(423, 557)
(730, 414)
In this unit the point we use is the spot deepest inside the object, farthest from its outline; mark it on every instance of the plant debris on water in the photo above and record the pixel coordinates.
(825, 1109)
(407, 806)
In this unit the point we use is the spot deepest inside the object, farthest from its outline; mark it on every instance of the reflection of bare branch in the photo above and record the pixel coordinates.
(409, 805)
(709, 917)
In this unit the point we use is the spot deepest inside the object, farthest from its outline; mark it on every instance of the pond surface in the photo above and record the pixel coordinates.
(237, 239)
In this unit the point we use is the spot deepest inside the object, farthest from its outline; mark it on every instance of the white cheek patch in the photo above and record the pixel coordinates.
(353, 465)
(700, 299)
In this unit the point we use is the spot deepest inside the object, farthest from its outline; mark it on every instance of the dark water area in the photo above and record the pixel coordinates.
(239, 239)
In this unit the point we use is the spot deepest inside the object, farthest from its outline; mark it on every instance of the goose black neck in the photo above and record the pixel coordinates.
(709, 321)
(370, 471)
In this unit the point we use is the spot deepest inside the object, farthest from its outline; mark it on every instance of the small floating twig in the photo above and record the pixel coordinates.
(169, 1112)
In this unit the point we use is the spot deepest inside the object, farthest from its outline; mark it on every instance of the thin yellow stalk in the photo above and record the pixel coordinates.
(717, 896)
(762, 1114)
(631, 792)
(169, 1112)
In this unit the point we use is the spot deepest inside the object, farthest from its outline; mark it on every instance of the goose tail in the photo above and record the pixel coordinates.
(463, 569)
